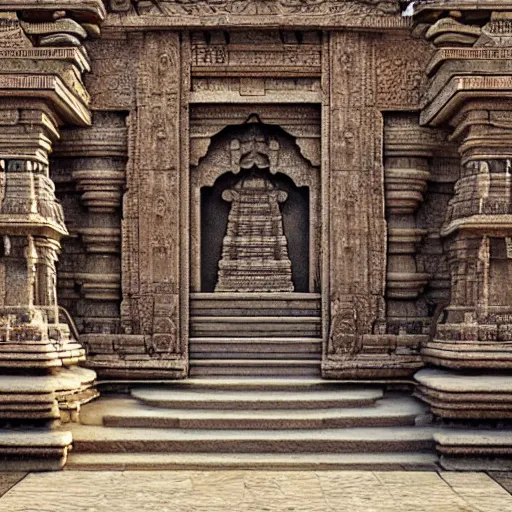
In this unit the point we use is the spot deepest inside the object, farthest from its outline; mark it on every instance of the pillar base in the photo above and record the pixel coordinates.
(33, 450)
(470, 346)
(475, 450)
(30, 340)
(132, 356)
(45, 399)
(466, 396)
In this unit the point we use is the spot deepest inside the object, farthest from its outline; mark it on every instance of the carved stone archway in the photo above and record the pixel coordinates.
(259, 145)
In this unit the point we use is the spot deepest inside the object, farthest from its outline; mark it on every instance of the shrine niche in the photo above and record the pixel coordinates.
(254, 213)
(254, 248)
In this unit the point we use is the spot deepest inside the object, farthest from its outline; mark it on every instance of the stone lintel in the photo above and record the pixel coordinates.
(325, 21)
(51, 88)
(460, 89)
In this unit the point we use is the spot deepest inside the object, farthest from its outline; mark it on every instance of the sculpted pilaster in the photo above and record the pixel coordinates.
(89, 170)
(356, 227)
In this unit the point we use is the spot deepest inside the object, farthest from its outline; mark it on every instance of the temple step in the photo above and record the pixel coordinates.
(255, 304)
(256, 400)
(254, 423)
(261, 384)
(388, 412)
(342, 440)
(248, 461)
(255, 367)
(254, 348)
(254, 326)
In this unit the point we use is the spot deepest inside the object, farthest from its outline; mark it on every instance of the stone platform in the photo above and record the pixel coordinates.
(255, 491)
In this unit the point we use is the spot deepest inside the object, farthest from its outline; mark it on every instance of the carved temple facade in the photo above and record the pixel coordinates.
(336, 170)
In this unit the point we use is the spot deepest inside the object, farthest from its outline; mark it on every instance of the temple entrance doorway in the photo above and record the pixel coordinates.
(255, 306)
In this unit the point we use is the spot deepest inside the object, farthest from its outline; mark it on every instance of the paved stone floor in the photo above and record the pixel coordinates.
(253, 491)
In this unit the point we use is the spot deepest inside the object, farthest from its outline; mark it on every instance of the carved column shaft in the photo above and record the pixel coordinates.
(89, 168)
(405, 180)
(409, 152)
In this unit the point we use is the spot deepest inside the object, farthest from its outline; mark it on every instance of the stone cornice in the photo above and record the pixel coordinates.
(423, 6)
(92, 10)
(68, 106)
(328, 14)
(459, 89)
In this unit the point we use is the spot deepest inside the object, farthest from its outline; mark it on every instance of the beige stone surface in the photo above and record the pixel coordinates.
(190, 491)
(8, 480)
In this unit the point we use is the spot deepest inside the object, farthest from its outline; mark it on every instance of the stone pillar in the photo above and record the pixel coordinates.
(89, 169)
(471, 91)
(41, 62)
(406, 174)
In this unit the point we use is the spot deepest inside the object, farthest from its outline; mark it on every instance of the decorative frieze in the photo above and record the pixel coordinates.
(173, 14)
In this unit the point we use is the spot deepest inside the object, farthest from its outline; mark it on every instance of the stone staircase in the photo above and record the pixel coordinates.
(256, 335)
(249, 423)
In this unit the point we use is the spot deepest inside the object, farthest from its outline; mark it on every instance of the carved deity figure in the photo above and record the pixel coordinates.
(343, 336)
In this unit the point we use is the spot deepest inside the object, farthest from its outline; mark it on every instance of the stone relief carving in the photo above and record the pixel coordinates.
(153, 198)
(110, 82)
(401, 77)
(259, 7)
(355, 167)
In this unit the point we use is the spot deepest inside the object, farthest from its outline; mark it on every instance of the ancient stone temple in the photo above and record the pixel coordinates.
(256, 233)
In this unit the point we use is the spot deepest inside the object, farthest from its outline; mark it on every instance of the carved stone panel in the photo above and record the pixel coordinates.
(401, 63)
(111, 81)
(357, 226)
(151, 226)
